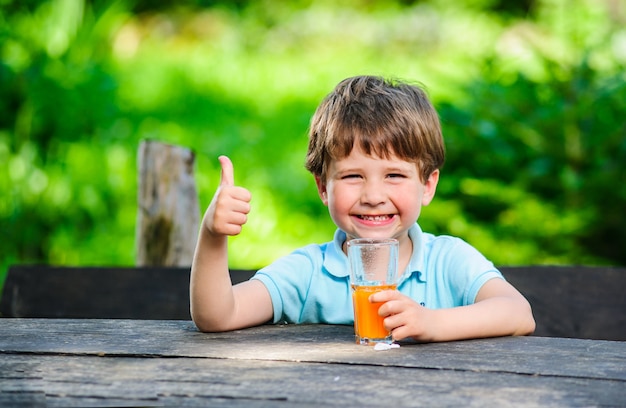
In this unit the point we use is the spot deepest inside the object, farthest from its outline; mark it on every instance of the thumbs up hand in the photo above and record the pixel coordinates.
(230, 206)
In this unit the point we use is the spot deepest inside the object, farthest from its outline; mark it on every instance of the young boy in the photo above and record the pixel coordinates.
(375, 150)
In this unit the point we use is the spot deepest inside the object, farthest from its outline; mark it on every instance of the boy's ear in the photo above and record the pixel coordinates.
(321, 189)
(429, 187)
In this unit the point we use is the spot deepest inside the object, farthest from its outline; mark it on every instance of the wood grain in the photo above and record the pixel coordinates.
(313, 344)
(61, 362)
(168, 212)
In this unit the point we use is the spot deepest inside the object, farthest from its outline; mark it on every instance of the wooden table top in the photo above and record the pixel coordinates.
(91, 362)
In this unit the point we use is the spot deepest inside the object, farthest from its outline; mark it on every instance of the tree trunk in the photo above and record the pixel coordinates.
(168, 210)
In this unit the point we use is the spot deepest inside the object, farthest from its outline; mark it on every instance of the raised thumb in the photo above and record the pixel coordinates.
(228, 173)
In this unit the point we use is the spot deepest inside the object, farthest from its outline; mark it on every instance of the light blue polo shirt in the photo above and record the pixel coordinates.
(312, 284)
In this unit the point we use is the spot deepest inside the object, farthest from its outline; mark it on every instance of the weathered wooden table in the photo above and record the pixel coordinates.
(90, 362)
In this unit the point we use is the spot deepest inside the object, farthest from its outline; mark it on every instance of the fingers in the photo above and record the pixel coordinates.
(384, 296)
(228, 172)
(230, 206)
(239, 196)
(404, 317)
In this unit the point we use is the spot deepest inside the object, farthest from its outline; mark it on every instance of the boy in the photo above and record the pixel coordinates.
(375, 150)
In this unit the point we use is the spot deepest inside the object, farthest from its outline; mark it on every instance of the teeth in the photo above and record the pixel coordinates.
(374, 217)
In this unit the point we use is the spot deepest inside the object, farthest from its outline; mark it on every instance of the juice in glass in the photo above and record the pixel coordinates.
(373, 268)
(368, 325)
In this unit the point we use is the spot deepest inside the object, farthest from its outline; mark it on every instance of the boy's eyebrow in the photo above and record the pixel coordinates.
(388, 169)
(401, 168)
(346, 170)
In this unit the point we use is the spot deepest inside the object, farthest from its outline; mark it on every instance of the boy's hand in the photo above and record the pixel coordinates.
(230, 206)
(404, 317)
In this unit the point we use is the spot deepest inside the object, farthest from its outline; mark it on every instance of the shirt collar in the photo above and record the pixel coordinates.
(416, 263)
(336, 261)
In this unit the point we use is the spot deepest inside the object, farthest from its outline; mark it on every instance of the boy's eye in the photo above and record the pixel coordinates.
(395, 175)
(350, 176)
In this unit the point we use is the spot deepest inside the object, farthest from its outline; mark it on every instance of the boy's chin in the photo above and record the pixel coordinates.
(372, 234)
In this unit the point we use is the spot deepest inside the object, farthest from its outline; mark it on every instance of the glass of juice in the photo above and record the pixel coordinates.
(373, 268)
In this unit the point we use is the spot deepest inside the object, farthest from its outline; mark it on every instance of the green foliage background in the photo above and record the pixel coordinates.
(532, 97)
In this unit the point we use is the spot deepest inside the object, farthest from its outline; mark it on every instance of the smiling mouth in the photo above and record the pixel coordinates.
(383, 217)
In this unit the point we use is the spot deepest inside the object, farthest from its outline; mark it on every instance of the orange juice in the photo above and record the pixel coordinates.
(368, 325)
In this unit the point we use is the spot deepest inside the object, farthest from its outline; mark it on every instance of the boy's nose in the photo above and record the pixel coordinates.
(373, 194)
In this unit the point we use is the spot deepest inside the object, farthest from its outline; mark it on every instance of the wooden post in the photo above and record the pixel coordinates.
(168, 210)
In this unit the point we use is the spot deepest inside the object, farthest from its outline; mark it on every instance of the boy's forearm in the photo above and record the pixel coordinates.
(493, 317)
(210, 292)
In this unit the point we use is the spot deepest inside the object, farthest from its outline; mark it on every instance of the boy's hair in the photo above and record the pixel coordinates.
(384, 117)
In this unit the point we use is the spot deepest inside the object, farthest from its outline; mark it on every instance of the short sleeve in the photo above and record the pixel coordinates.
(288, 280)
(455, 272)
(469, 270)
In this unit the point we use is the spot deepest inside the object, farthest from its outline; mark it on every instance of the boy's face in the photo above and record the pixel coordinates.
(371, 197)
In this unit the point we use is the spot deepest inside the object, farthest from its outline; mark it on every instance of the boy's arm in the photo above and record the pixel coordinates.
(215, 304)
(499, 310)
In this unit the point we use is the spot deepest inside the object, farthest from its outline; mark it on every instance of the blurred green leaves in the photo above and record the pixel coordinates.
(559, 143)
(532, 99)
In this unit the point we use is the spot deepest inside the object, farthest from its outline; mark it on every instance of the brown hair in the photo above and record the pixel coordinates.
(385, 117)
